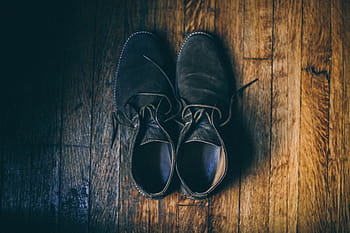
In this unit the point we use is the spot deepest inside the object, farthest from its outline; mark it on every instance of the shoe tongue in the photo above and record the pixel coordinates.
(204, 132)
(152, 132)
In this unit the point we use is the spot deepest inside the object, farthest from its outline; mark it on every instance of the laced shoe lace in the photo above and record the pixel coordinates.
(194, 112)
(120, 117)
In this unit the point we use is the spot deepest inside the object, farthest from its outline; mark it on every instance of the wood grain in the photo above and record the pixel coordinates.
(285, 116)
(165, 13)
(336, 118)
(199, 15)
(314, 129)
(76, 118)
(78, 73)
(15, 200)
(104, 174)
(74, 189)
(134, 212)
(104, 192)
(254, 198)
(47, 123)
(344, 202)
(258, 29)
(30, 130)
(196, 214)
(44, 188)
(256, 116)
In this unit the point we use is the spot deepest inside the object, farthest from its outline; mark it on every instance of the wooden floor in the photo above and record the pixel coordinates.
(289, 141)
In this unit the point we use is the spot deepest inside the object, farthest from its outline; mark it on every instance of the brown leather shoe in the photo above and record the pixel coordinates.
(205, 93)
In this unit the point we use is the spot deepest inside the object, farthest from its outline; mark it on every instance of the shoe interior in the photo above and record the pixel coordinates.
(201, 165)
(152, 166)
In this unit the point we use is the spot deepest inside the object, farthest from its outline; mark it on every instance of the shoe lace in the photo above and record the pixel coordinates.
(152, 109)
(196, 114)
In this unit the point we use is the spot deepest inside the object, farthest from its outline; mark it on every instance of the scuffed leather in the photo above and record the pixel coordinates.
(203, 83)
(135, 74)
(200, 74)
(144, 98)
(203, 131)
(152, 131)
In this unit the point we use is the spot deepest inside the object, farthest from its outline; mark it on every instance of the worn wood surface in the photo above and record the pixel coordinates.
(285, 109)
(314, 121)
(289, 142)
(224, 207)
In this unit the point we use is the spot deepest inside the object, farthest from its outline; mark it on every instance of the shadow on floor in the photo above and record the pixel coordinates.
(238, 134)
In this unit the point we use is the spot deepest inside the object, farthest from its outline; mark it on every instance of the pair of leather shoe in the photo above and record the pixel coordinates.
(147, 99)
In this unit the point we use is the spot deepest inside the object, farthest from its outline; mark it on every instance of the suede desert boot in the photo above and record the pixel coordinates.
(205, 93)
(145, 100)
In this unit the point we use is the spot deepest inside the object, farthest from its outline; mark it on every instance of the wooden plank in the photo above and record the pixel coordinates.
(285, 116)
(336, 117)
(256, 116)
(78, 72)
(46, 108)
(74, 189)
(344, 212)
(165, 14)
(224, 205)
(135, 13)
(314, 129)
(193, 218)
(192, 215)
(254, 198)
(168, 213)
(32, 116)
(76, 117)
(231, 35)
(133, 210)
(184, 201)
(15, 200)
(104, 191)
(44, 188)
(258, 29)
(199, 15)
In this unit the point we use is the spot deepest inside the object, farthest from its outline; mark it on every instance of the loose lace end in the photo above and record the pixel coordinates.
(233, 98)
